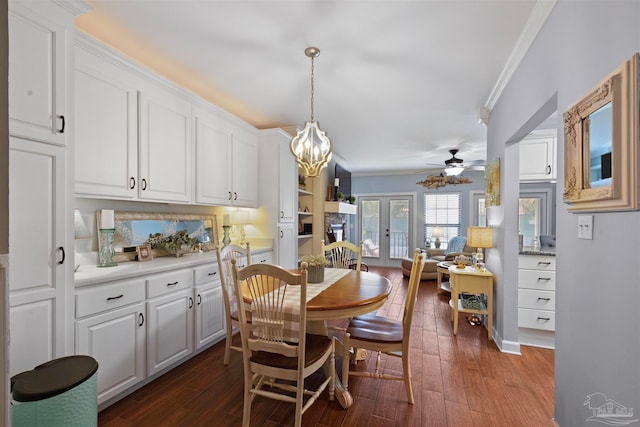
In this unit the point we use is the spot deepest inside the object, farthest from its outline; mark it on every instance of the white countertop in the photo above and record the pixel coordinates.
(92, 274)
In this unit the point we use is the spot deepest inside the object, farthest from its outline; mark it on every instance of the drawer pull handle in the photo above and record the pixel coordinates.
(141, 317)
(172, 283)
(64, 255)
(213, 274)
(546, 319)
(190, 302)
(544, 299)
(61, 117)
(544, 263)
(199, 299)
(112, 298)
(546, 279)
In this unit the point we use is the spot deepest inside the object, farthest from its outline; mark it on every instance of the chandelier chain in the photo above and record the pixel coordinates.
(312, 90)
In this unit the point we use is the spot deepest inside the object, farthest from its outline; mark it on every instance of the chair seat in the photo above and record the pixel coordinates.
(374, 328)
(316, 347)
(236, 317)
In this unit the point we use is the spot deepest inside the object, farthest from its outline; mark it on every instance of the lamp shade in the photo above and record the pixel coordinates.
(241, 217)
(480, 237)
(437, 232)
(80, 226)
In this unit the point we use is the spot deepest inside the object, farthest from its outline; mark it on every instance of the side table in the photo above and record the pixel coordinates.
(473, 281)
(442, 269)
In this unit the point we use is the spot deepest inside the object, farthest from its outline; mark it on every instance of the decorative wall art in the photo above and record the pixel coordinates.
(492, 182)
(437, 181)
(601, 145)
(134, 229)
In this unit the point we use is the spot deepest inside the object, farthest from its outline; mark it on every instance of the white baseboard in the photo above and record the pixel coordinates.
(505, 346)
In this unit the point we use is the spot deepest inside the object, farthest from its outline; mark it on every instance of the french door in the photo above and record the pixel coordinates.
(385, 225)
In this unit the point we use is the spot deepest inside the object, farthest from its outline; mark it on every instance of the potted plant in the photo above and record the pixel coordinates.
(352, 199)
(315, 267)
(340, 196)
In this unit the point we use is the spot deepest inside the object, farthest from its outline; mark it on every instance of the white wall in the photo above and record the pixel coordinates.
(598, 294)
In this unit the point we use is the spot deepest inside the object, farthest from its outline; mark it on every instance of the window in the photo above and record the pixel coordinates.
(442, 210)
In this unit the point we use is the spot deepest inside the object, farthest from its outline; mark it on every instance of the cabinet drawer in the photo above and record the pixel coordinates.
(165, 283)
(262, 258)
(536, 279)
(108, 296)
(537, 319)
(537, 262)
(206, 273)
(535, 299)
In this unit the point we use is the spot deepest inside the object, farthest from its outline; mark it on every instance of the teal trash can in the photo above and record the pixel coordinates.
(61, 392)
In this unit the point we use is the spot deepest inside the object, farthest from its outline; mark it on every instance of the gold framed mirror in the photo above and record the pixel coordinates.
(601, 145)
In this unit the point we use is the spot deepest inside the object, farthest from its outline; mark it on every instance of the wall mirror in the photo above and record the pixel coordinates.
(133, 229)
(601, 145)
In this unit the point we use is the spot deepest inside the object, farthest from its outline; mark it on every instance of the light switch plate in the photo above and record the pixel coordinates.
(585, 227)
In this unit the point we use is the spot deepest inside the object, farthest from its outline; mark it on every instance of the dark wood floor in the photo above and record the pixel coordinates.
(458, 381)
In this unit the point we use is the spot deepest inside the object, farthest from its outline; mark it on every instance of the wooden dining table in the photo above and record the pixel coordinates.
(355, 293)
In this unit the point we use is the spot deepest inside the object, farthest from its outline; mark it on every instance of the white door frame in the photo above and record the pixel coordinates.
(413, 225)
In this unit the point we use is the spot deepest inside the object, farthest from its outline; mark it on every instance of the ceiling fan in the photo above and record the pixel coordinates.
(455, 165)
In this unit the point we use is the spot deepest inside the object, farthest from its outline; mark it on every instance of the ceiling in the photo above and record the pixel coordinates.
(397, 84)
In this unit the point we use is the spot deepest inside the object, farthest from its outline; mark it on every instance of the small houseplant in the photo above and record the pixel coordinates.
(315, 267)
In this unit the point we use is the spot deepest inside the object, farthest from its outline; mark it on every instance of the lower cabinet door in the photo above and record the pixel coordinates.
(116, 339)
(170, 329)
(209, 314)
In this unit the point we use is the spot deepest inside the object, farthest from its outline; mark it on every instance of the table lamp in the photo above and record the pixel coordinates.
(437, 232)
(242, 217)
(480, 237)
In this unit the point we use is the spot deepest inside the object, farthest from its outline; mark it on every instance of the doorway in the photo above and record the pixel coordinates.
(386, 228)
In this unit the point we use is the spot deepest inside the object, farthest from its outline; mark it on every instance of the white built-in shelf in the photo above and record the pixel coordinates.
(304, 236)
(339, 207)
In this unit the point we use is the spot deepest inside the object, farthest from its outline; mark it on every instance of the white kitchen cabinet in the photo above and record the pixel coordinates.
(38, 73)
(133, 136)
(287, 245)
(41, 257)
(169, 318)
(537, 300)
(537, 157)
(209, 314)
(106, 126)
(279, 194)
(226, 161)
(164, 147)
(244, 168)
(111, 328)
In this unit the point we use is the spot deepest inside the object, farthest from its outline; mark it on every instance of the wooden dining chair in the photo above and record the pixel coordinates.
(344, 254)
(277, 351)
(383, 335)
(225, 255)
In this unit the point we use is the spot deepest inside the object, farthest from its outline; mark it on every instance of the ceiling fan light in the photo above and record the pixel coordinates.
(453, 170)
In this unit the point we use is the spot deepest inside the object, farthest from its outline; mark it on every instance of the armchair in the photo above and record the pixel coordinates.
(457, 246)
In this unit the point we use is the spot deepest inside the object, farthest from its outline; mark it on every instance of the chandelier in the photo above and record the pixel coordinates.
(311, 147)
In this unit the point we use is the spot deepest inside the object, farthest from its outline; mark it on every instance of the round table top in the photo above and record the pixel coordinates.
(354, 294)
